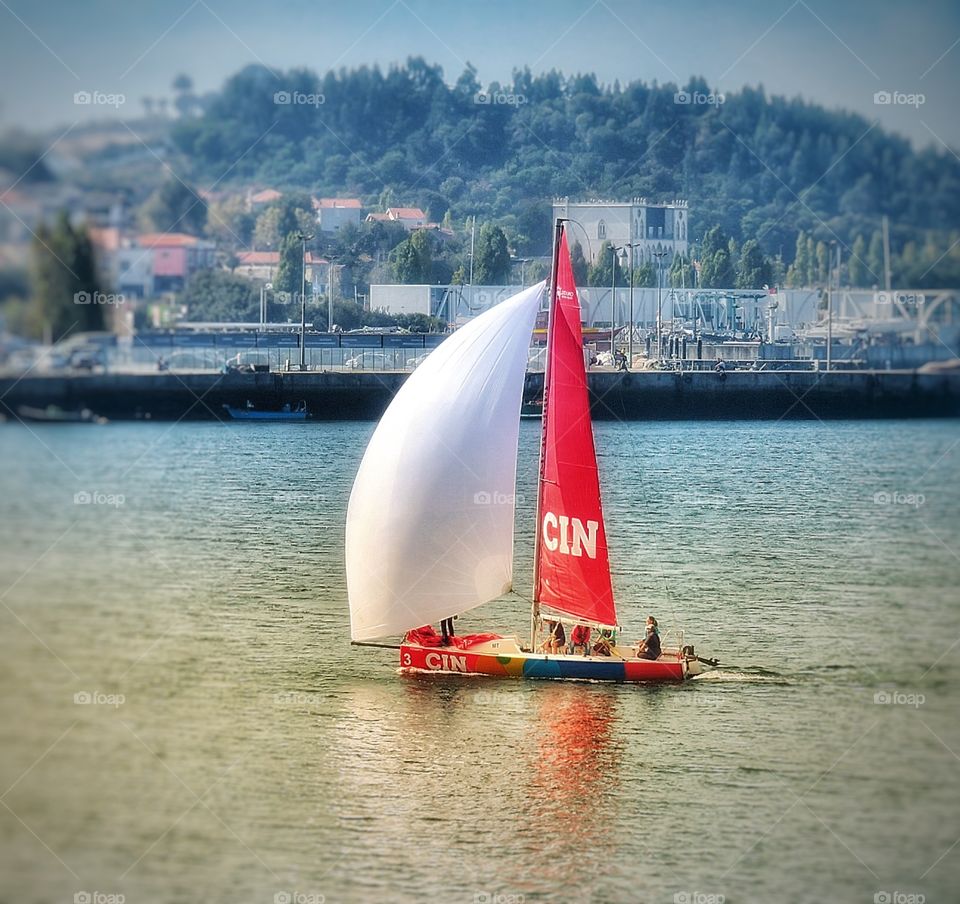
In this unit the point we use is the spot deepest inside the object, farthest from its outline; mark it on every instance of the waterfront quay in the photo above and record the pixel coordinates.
(360, 395)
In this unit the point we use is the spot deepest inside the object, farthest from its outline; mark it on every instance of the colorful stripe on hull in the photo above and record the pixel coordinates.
(456, 661)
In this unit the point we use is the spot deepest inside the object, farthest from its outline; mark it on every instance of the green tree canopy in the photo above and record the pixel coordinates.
(67, 294)
(174, 207)
(492, 264)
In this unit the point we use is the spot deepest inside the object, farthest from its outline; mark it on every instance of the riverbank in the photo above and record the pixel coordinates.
(645, 395)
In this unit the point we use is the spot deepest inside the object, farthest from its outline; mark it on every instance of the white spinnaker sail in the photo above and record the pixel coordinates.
(430, 520)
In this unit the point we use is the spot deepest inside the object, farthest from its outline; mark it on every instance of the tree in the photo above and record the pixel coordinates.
(716, 271)
(174, 207)
(420, 242)
(579, 264)
(800, 272)
(67, 294)
(823, 262)
(290, 273)
(875, 260)
(645, 276)
(221, 297)
(681, 273)
(857, 265)
(492, 257)
(412, 263)
(229, 222)
(290, 214)
(753, 269)
(601, 270)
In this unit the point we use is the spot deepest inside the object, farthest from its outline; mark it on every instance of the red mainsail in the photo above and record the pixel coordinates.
(573, 569)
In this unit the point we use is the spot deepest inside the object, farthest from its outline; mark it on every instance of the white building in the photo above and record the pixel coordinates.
(655, 227)
(335, 213)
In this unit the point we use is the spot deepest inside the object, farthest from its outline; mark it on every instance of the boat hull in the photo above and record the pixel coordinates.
(517, 664)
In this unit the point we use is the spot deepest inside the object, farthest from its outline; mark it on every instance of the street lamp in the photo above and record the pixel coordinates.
(303, 297)
(660, 255)
(613, 298)
(266, 287)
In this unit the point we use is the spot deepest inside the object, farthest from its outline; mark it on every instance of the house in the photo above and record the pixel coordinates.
(259, 199)
(172, 257)
(335, 213)
(264, 265)
(651, 227)
(409, 217)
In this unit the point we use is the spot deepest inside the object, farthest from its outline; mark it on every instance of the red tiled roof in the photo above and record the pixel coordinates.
(258, 257)
(270, 258)
(327, 203)
(266, 196)
(166, 240)
(378, 217)
(406, 213)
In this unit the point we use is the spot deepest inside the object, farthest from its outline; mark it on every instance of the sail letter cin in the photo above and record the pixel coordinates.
(430, 520)
(574, 571)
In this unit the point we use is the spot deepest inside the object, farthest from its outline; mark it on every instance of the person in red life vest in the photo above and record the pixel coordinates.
(580, 639)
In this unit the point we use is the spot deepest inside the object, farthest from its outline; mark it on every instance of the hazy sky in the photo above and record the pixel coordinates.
(839, 53)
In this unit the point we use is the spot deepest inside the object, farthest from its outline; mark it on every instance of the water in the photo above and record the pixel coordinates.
(238, 749)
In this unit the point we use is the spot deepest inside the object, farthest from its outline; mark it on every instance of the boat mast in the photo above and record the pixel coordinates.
(552, 306)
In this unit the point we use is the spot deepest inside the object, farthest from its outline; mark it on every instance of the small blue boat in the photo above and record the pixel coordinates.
(251, 413)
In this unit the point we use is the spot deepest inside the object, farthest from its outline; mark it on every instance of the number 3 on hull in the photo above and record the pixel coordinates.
(431, 517)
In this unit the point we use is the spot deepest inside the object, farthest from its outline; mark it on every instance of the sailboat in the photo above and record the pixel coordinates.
(430, 522)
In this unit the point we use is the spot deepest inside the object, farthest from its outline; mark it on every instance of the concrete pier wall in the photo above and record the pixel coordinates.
(627, 396)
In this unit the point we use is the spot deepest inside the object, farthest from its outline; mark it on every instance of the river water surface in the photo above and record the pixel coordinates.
(183, 719)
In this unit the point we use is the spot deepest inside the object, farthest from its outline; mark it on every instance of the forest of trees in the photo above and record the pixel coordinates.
(760, 168)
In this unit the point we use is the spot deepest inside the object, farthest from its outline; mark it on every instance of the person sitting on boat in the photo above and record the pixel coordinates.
(557, 639)
(652, 621)
(606, 641)
(580, 640)
(446, 630)
(650, 646)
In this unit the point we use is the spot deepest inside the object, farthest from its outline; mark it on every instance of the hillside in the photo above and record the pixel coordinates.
(759, 167)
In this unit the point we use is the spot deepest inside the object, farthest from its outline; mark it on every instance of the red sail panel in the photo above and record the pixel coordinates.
(574, 569)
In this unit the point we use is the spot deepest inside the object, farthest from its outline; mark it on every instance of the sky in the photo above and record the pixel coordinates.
(839, 53)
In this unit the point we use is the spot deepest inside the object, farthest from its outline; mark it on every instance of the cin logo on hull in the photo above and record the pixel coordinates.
(446, 662)
(568, 536)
